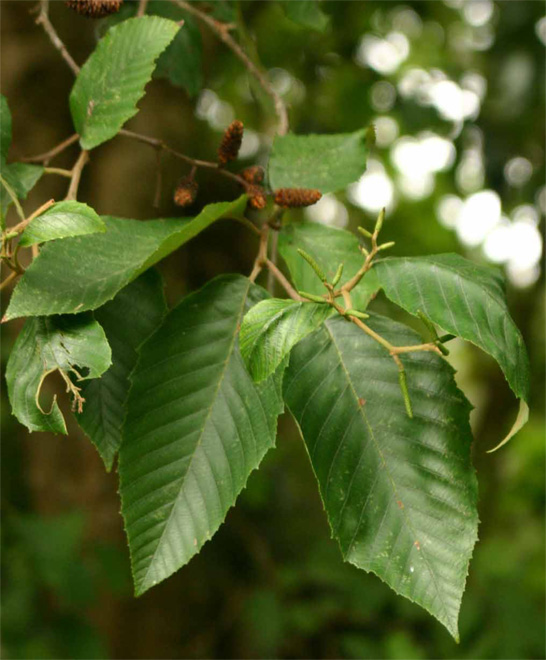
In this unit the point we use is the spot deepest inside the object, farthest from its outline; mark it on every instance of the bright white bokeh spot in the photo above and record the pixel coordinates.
(328, 211)
(540, 29)
(386, 131)
(407, 21)
(281, 80)
(478, 12)
(496, 246)
(438, 152)
(383, 96)
(212, 109)
(250, 144)
(374, 190)
(523, 277)
(518, 171)
(479, 214)
(417, 186)
(525, 245)
(383, 55)
(413, 81)
(525, 213)
(470, 174)
(476, 83)
(448, 210)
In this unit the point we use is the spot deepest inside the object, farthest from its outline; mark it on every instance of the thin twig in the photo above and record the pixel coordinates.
(261, 257)
(12, 231)
(43, 20)
(273, 260)
(223, 32)
(158, 179)
(49, 155)
(142, 4)
(283, 281)
(76, 175)
(59, 171)
(9, 279)
(159, 144)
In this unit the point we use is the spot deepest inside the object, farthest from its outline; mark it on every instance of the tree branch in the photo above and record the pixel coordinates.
(223, 33)
(43, 20)
(76, 175)
(49, 155)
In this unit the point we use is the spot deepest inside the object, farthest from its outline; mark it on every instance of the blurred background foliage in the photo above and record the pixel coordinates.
(456, 91)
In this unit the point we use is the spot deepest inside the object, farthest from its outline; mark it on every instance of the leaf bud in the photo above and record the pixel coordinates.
(365, 232)
(254, 174)
(318, 270)
(312, 296)
(337, 276)
(379, 221)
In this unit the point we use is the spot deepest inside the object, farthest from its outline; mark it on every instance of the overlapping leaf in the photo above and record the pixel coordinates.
(197, 425)
(62, 220)
(329, 247)
(467, 300)
(325, 162)
(306, 13)
(127, 320)
(105, 262)
(272, 328)
(113, 79)
(400, 493)
(72, 344)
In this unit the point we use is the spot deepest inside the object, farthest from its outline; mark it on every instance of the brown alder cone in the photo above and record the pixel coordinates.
(186, 191)
(231, 142)
(256, 197)
(254, 174)
(95, 8)
(290, 198)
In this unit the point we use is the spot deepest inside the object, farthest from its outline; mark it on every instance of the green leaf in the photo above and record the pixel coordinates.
(65, 343)
(400, 494)
(5, 128)
(306, 13)
(196, 427)
(466, 300)
(128, 320)
(181, 63)
(113, 79)
(22, 177)
(104, 263)
(329, 247)
(272, 328)
(325, 162)
(62, 220)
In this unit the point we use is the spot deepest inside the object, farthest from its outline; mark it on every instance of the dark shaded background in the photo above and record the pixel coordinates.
(271, 583)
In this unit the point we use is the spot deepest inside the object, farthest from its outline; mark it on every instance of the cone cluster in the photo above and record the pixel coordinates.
(231, 142)
(95, 8)
(254, 174)
(290, 198)
(256, 197)
(186, 191)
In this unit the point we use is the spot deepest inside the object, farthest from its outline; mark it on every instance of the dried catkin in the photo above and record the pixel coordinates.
(256, 197)
(254, 174)
(186, 191)
(95, 8)
(296, 197)
(231, 142)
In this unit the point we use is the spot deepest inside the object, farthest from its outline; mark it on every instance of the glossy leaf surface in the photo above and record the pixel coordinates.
(62, 220)
(329, 247)
(467, 300)
(400, 494)
(113, 79)
(197, 425)
(47, 344)
(128, 320)
(21, 177)
(325, 162)
(105, 262)
(272, 328)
